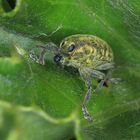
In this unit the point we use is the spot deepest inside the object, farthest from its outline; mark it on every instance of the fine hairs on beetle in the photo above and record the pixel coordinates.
(89, 54)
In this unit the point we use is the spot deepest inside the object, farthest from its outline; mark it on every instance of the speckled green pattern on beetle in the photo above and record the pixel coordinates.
(89, 51)
(91, 55)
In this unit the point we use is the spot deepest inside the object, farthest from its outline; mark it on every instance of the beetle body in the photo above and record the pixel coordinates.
(90, 51)
(90, 55)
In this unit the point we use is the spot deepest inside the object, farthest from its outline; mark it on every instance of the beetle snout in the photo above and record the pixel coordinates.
(57, 58)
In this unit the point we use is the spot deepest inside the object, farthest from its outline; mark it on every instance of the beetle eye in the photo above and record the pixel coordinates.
(57, 58)
(71, 48)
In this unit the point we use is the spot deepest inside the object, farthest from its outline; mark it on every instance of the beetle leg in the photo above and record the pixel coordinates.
(108, 66)
(96, 73)
(100, 85)
(87, 80)
(33, 56)
(41, 59)
(37, 59)
(105, 66)
(115, 80)
(100, 75)
(49, 46)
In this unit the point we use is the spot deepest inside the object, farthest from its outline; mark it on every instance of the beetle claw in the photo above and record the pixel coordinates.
(86, 114)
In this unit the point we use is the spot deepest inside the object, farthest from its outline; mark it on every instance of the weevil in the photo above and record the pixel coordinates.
(91, 55)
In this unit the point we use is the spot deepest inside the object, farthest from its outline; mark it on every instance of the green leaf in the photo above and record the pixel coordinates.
(39, 102)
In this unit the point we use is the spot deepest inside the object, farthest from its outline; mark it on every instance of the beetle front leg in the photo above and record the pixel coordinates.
(87, 97)
(41, 59)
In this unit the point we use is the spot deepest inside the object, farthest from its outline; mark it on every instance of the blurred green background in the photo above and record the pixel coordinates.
(44, 102)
